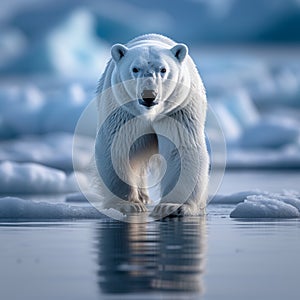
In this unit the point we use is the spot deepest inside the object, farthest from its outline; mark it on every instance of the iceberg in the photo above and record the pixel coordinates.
(28, 109)
(53, 150)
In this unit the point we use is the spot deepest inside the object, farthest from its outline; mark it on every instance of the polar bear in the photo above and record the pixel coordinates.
(151, 112)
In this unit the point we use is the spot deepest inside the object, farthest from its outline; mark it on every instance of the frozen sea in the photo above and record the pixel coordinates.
(211, 257)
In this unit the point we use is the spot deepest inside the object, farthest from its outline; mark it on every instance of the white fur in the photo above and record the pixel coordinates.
(181, 98)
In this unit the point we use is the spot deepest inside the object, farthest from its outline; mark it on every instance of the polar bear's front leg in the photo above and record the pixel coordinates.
(184, 186)
(142, 190)
(134, 201)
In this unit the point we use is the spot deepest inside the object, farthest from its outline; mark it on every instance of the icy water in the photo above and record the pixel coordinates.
(212, 257)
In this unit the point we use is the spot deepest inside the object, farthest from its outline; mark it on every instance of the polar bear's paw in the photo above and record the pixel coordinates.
(126, 207)
(143, 196)
(163, 210)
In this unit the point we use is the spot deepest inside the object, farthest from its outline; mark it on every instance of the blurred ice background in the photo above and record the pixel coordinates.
(52, 54)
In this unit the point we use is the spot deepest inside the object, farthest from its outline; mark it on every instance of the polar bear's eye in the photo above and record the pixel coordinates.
(135, 70)
(163, 70)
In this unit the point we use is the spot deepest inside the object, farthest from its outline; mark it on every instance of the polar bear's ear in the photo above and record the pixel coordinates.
(118, 51)
(180, 51)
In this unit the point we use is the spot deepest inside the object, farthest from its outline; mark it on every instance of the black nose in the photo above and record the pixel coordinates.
(149, 96)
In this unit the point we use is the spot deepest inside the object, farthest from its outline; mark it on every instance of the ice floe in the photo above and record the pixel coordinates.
(12, 208)
(268, 205)
(250, 205)
(32, 178)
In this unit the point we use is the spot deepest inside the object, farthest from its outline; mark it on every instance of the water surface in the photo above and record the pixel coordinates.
(209, 257)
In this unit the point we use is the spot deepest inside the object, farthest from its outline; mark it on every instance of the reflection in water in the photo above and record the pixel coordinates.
(152, 257)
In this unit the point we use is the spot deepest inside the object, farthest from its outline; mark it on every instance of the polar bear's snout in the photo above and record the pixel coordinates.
(148, 98)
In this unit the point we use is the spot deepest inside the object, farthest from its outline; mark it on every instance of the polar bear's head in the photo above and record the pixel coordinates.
(150, 74)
